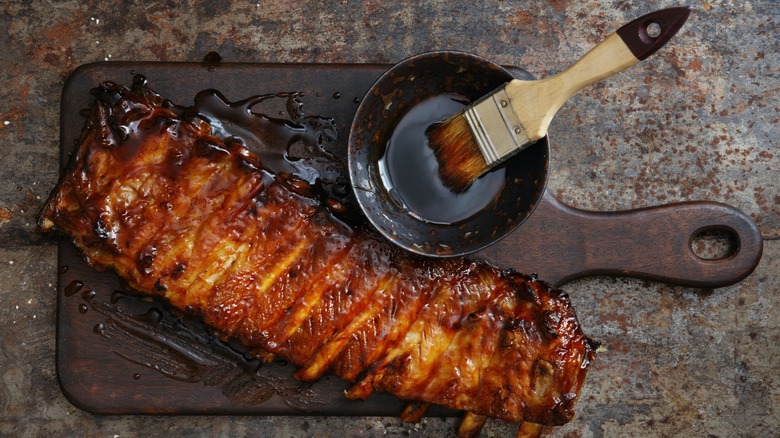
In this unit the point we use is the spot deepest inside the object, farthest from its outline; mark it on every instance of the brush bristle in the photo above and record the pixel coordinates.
(456, 150)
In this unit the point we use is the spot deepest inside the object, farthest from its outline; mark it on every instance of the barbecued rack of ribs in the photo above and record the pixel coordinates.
(181, 214)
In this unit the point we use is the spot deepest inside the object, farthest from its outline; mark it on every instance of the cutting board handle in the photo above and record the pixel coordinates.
(652, 243)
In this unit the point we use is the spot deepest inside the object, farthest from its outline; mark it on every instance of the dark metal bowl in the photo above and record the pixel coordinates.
(400, 89)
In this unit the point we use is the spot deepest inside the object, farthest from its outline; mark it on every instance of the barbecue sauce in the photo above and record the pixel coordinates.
(317, 297)
(296, 151)
(181, 348)
(410, 173)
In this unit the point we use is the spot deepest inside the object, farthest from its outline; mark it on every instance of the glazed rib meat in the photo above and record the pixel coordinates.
(181, 214)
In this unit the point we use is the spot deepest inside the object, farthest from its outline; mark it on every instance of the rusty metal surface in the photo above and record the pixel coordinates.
(698, 120)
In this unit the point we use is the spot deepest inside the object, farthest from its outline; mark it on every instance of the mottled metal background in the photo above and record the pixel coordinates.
(697, 121)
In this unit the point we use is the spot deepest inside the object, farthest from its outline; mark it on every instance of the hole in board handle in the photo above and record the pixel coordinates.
(715, 243)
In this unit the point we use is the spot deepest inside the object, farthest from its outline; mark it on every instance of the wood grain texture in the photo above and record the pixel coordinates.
(559, 242)
(562, 243)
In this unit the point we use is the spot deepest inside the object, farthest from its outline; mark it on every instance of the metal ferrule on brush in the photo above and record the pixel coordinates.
(495, 127)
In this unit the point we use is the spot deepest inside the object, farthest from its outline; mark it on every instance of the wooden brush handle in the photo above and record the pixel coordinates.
(537, 102)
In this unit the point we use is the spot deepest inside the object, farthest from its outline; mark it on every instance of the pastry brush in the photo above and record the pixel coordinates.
(518, 113)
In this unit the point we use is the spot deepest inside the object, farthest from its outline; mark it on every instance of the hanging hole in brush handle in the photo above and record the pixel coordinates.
(645, 35)
(653, 30)
(536, 102)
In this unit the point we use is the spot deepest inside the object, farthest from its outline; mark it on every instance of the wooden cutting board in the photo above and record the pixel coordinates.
(118, 353)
